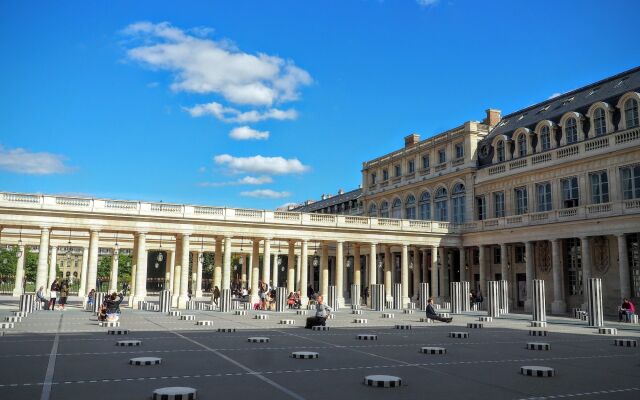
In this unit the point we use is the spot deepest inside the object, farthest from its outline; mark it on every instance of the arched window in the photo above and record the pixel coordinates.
(373, 210)
(384, 209)
(500, 151)
(441, 200)
(410, 207)
(631, 113)
(396, 208)
(600, 122)
(545, 138)
(571, 130)
(425, 206)
(522, 145)
(457, 202)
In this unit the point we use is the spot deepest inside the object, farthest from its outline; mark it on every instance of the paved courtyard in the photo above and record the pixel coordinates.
(66, 355)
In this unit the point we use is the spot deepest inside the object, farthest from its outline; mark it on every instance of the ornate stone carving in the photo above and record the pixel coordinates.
(542, 256)
(600, 254)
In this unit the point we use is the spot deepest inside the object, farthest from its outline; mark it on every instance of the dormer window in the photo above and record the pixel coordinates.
(571, 130)
(545, 138)
(600, 122)
(631, 113)
(522, 145)
(500, 151)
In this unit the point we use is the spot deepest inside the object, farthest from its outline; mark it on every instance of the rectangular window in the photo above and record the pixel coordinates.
(411, 166)
(519, 253)
(442, 156)
(498, 201)
(398, 170)
(570, 192)
(481, 206)
(373, 178)
(543, 191)
(630, 182)
(385, 175)
(599, 187)
(425, 161)
(496, 255)
(522, 204)
(459, 150)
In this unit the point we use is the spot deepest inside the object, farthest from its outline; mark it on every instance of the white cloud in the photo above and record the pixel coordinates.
(553, 96)
(22, 161)
(266, 194)
(247, 180)
(247, 133)
(426, 3)
(230, 114)
(202, 65)
(261, 165)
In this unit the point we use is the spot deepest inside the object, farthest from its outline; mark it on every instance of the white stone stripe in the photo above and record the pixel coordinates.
(51, 366)
(538, 305)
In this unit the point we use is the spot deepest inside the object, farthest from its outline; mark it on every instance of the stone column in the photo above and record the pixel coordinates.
(339, 274)
(171, 264)
(249, 270)
(442, 252)
(141, 268)
(388, 276)
(298, 269)
(198, 259)
(434, 272)
(558, 306)
(416, 273)
(274, 270)
(177, 273)
(52, 264)
(18, 288)
(243, 270)
(217, 268)
(255, 271)
(530, 274)
(266, 262)
(503, 262)
(372, 267)
(425, 267)
(324, 269)
(43, 259)
(113, 276)
(404, 275)
(82, 290)
(92, 273)
(304, 264)
(623, 266)
(463, 265)
(184, 272)
(482, 260)
(357, 267)
(226, 268)
(134, 269)
(585, 246)
(291, 267)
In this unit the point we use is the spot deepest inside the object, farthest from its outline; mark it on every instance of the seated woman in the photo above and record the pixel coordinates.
(291, 300)
(112, 306)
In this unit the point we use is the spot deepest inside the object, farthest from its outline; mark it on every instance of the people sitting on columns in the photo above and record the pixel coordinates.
(432, 314)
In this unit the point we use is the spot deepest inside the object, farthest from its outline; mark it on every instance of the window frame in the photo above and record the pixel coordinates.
(521, 202)
(573, 192)
(544, 200)
(498, 212)
(598, 195)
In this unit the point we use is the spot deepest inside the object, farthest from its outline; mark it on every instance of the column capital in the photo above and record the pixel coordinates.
(45, 228)
(94, 229)
(621, 234)
(340, 241)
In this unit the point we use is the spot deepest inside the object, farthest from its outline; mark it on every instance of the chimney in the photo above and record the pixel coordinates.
(323, 196)
(340, 191)
(411, 140)
(493, 117)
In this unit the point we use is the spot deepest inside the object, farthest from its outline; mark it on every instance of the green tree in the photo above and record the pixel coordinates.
(8, 261)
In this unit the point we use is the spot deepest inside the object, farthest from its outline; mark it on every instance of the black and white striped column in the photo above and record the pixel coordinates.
(332, 297)
(377, 297)
(594, 293)
(455, 291)
(397, 296)
(27, 303)
(466, 300)
(504, 296)
(165, 301)
(355, 295)
(97, 301)
(281, 299)
(493, 299)
(538, 305)
(424, 296)
(225, 300)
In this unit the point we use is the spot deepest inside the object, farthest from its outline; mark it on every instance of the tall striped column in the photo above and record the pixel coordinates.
(424, 296)
(225, 300)
(538, 306)
(332, 297)
(397, 296)
(594, 292)
(27, 303)
(455, 292)
(355, 294)
(97, 301)
(466, 300)
(165, 301)
(493, 299)
(377, 297)
(504, 296)
(281, 299)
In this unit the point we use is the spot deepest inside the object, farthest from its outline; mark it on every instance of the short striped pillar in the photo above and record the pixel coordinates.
(165, 301)
(504, 295)
(225, 300)
(332, 298)
(538, 306)
(424, 296)
(97, 301)
(355, 295)
(455, 291)
(281, 299)
(466, 300)
(377, 297)
(397, 296)
(493, 299)
(27, 303)
(594, 295)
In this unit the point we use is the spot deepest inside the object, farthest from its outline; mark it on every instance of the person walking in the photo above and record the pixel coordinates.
(53, 294)
(432, 314)
(216, 295)
(64, 293)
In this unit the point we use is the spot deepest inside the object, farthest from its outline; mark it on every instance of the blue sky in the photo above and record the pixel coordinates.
(174, 101)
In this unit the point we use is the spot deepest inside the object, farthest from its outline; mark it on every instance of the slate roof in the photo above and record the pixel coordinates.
(337, 199)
